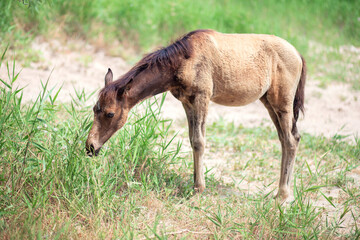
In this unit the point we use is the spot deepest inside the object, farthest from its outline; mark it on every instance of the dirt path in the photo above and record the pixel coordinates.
(329, 111)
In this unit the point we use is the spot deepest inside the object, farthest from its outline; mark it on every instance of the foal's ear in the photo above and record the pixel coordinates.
(108, 77)
(121, 91)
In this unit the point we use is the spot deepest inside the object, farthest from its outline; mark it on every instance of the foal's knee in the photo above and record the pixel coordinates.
(198, 145)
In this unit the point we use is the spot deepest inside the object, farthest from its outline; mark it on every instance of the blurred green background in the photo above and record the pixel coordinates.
(145, 24)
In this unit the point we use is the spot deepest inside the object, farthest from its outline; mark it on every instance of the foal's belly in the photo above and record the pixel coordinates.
(240, 79)
(239, 93)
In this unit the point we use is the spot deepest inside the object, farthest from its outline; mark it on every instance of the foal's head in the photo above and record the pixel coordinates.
(110, 114)
(115, 99)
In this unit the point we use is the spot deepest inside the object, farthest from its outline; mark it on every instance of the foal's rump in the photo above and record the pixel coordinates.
(246, 66)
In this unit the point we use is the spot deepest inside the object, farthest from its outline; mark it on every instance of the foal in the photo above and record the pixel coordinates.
(204, 66)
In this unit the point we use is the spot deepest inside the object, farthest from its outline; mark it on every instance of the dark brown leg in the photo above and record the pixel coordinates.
(196, 114)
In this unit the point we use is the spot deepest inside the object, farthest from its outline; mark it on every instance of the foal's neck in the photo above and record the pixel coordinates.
(148, 83)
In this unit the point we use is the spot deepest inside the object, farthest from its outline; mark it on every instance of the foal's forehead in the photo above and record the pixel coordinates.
(107, 99)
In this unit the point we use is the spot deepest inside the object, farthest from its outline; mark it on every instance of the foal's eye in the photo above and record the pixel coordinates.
(110, 115)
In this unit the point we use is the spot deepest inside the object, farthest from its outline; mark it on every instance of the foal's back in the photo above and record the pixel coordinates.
(237, 69)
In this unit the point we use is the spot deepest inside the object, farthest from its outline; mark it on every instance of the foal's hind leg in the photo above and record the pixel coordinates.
(291, 141)
(275, 120)
(283, 118)
(196, 114)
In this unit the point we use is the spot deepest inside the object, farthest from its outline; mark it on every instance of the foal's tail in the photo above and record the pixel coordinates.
(300, 92)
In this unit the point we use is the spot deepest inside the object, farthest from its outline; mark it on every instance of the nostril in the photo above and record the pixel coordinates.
(90, 149)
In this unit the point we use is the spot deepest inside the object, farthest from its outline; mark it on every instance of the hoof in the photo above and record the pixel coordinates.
(199, 189)
(283, 196)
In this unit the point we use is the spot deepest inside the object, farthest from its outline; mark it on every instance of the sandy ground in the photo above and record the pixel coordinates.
(76, 65)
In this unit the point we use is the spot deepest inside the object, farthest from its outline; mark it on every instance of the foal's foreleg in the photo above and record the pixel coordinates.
(196, 115)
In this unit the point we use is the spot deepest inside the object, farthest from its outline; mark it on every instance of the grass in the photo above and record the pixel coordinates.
(141, 184)
(155, 22)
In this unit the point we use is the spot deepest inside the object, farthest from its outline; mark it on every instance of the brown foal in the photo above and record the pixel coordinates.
(204, 66)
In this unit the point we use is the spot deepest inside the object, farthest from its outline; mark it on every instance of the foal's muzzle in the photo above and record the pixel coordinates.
(90, 150)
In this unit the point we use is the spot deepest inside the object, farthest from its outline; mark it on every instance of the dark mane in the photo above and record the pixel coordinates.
(166, 57)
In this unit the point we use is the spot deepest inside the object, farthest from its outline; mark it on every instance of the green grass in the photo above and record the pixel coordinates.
(148, 23)
(140, 186)
(43, 162)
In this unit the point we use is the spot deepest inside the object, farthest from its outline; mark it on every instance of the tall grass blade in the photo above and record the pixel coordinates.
(327, 199)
